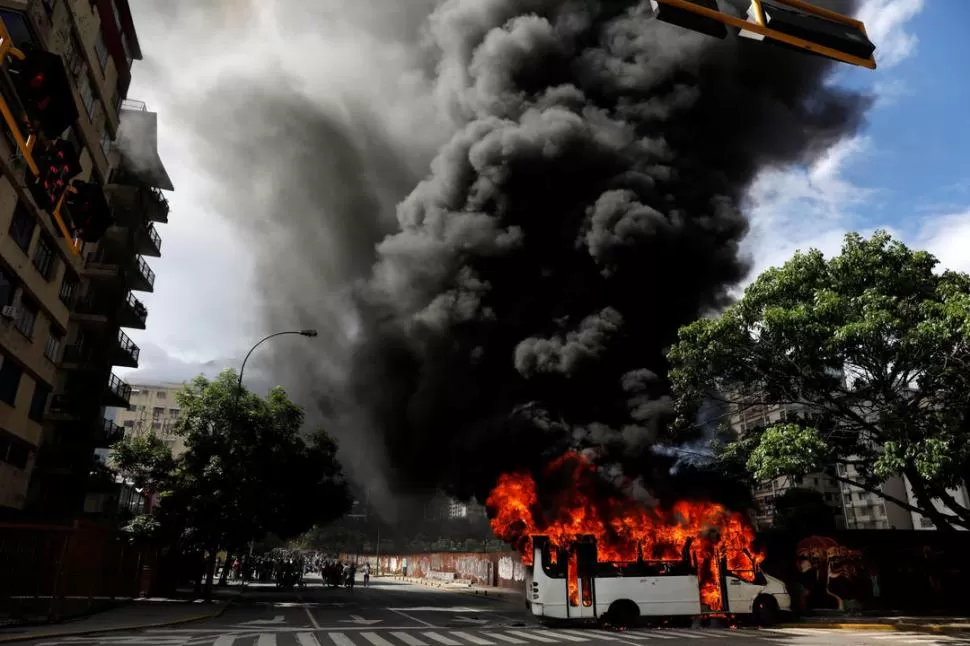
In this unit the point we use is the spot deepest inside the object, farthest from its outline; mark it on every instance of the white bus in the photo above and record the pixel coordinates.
(623, 593)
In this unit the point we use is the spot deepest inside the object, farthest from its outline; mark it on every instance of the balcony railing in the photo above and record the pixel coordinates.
(136, 307)
(154, 237)
(118, 388)
(134, 104)
(111, 432)
(128, 347)
(145, 272)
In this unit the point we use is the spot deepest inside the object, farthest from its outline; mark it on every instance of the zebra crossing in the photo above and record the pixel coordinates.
(496, 637)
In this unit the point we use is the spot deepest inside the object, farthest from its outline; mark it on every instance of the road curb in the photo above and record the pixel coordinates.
(96, 631)
(474, 593)
(931, 628)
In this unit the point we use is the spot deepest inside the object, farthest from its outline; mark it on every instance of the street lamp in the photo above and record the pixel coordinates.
(239, 382)
(307, 333)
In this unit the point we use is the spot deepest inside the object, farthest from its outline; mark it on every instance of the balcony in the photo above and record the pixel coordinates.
(132, 314)
(134, 202)
(110, 263)
(125, 352)
(147, 241)
(110, 433)
(141, 278)
(118, 393)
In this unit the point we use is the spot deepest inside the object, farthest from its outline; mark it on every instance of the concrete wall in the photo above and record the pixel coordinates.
(501, 569)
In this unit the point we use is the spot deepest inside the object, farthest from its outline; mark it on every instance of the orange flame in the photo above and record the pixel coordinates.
(703, 533)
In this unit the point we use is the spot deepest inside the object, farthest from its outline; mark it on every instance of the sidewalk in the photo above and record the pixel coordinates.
(920, 624)
(503, 594)
(132, 615)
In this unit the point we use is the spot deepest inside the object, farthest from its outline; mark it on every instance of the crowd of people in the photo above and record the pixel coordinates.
(287, 569)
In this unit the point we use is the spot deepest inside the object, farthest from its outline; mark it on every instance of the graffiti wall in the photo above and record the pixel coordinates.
(873, 570)
(502, 569)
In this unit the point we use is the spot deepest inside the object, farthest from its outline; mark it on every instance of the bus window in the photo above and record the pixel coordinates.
(555, 570)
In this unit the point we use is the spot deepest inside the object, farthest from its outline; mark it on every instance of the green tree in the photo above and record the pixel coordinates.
(247, 470)
(146, 462)
(872, 346)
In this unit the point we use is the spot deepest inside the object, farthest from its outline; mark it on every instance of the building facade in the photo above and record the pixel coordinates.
(153, 409)
(769, 491)
(63, 317)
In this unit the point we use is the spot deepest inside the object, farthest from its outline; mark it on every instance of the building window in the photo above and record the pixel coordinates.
(87, 95)
(10, 374)
(129, 423)
(14, 452)
(44, 259)
(8, 287)
(53, 347)
(161, 394)
(69, 286)
(157, 412)
(22, 227)
(106, 143)
(101, 50)
(156, 425)
(26, 317)
(38, 403)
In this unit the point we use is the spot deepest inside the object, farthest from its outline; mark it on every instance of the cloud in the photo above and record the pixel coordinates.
(948, 238)
(886, 22)
(814, 207)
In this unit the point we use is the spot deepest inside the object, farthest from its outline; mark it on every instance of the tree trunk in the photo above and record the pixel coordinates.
(226, 568)
(210, 567)
(927, 508)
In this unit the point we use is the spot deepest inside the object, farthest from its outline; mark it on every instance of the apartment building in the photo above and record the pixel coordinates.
(61, 326)
(769, 491)
(153, 409)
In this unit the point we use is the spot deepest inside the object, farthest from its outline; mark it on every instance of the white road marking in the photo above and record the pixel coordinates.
(412, 618)
(468, 637)
(266, 639)
(376, 639)
(225, 640)
(340, 639)
(568, 635)
(506, 638)
(313, 620)
(307, 639)
(410, 640)
(441, 639)
(532, 635)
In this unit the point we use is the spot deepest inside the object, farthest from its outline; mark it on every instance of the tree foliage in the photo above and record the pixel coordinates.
(145, 460)
(872, 346)
(247, 470)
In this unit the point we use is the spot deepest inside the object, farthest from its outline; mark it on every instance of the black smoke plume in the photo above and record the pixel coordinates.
(587, 201)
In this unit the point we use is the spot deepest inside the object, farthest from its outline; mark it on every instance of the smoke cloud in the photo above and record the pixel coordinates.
(498, 213)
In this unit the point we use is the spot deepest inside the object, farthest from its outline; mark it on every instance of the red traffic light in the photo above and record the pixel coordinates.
(45, 92)
(57, 164)
(89, 210)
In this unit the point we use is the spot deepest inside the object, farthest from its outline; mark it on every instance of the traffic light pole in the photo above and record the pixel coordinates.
(760, 26)
(26, 146)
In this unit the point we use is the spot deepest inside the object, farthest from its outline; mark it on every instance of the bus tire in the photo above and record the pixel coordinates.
(764, 610)
(623, 612)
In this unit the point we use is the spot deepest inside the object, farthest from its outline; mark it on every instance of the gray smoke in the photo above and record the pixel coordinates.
(498, 212)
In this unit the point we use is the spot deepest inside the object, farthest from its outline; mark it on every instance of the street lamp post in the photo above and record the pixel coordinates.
(242, 369)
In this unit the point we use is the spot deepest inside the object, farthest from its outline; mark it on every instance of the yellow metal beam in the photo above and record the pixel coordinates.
(773, 34)
(72, 243)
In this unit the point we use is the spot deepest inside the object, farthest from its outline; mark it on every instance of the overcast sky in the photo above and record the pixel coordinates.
(204, 313)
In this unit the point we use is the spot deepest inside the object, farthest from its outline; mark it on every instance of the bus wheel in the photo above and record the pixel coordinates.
(623, 613)
(765, 610)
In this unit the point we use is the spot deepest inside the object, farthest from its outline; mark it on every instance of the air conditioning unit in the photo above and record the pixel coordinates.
(9, 312)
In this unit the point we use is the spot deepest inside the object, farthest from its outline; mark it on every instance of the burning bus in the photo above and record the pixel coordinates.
(597, 553)
(571, 583)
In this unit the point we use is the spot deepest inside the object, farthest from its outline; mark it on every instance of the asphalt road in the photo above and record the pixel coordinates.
(393, 613)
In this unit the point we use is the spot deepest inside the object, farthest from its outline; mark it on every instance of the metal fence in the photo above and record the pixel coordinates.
(49, 573)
